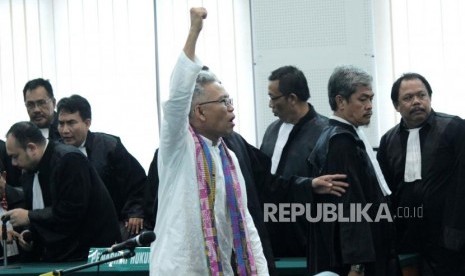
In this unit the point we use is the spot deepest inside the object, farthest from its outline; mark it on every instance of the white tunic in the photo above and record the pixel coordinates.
(179, 247)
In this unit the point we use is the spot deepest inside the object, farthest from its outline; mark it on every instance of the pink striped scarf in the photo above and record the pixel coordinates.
(207, 185)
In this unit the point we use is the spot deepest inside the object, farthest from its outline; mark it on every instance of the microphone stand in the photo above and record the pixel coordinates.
(126, 255)
(5, 247)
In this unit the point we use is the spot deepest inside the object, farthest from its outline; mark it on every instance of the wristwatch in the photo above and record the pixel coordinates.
(359, 268)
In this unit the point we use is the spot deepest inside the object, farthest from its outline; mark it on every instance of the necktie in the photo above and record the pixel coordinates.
(371, 154)
(37, 199)
(413, 157)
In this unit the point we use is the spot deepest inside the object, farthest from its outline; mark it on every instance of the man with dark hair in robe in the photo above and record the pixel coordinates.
(40, 104)
(121, 173)
(68, 209)
(423, 160)
(288, 142)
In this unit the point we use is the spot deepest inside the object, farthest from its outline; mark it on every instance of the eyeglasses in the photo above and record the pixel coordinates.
(226, 101)
(275, 98)
(40, 104)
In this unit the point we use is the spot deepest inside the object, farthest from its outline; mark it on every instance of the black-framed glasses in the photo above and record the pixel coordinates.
(30, 105)
(275, 98)
(226, 101)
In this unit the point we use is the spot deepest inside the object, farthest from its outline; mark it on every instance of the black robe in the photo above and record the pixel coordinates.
(78, 212)
(255, 168)
(336, 245)
(121, 173)
(439, 233)
(53, 134)
(13, 174)
(289, 239)
(14, 193)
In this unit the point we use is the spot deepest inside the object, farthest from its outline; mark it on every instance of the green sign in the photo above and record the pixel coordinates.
(141, 259)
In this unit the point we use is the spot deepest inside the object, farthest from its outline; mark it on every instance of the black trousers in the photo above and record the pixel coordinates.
(439, 261)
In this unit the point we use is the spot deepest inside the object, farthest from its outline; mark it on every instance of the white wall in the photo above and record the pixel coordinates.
(314, 36)
(429, 38)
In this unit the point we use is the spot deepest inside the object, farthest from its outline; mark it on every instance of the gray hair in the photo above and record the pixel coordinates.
(203, 78)
(344, 81)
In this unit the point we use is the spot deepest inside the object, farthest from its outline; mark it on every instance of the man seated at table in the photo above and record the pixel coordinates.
(68, 209)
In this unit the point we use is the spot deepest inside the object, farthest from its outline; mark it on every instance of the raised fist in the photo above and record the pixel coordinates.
(197, 17)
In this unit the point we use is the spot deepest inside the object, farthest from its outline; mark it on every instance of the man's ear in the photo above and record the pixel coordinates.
(88, 122)
(339, 101)
(198, 113)
(31, 147)
(293, 97)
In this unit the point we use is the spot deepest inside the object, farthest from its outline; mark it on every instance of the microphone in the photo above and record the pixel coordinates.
(143, 239)
(5, 218)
